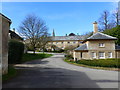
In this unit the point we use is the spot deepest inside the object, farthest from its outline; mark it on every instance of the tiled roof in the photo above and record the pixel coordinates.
(101, 36)
(82, 47)
(117, 47)
(60, 38)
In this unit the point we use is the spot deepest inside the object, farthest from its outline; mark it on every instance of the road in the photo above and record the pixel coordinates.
(53, 72)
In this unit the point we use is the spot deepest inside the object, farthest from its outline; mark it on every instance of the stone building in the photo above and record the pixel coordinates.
(97, 46)
(63, 42)
(5, 23)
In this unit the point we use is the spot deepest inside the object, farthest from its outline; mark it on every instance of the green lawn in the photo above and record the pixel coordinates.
(12, 72)
(30, 56)
(99, 64)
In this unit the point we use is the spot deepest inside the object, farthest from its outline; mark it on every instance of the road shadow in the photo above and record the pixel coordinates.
(33, 77)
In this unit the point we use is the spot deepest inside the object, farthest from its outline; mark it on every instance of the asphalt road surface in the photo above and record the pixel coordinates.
(53, 72)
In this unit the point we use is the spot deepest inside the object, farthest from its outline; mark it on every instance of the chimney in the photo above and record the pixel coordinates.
(95, 27)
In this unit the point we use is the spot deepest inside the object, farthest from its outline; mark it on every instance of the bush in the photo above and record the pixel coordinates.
(15, 51)
(68, 56)
(101, 63)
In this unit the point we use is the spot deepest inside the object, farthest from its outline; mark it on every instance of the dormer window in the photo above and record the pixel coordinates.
(101, 45)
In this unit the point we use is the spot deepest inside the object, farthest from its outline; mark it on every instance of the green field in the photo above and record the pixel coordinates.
(30, 56)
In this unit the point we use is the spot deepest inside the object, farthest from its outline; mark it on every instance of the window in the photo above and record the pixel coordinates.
(93, 55)
(81, 42)
(109, 54)
(68, 42)
(101, 45)
(101, 55)
(74, 42)
(56, 42)
(61, 42)
(51, 42)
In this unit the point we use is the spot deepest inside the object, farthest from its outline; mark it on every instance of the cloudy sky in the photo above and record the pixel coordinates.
(63, 17)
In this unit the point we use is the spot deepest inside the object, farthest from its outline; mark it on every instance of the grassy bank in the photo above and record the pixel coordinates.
(12, 72)
(106, 64)
(30, 56)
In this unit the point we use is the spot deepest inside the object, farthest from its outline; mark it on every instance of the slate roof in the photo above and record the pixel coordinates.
(63, 38)
(13, 35)
(82, 47)
(117, 47)
(101, 36)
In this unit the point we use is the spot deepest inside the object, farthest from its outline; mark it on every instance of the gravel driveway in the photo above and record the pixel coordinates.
(53, 72)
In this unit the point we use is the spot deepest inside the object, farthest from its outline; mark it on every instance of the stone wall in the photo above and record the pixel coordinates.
(117, 54)
(5, 26)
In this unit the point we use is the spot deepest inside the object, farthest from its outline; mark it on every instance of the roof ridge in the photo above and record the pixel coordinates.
(101, 34)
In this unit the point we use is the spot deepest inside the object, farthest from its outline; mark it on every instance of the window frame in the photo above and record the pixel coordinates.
(93, 54)
(102, 55)
(101, 44)
(110, 54)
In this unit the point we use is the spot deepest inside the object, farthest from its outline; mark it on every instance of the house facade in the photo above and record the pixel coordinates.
(63, 42)
(98, 46)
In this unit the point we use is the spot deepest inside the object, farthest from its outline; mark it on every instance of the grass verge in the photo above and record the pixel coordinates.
(31, 56)
(12, 72)
(94, 67)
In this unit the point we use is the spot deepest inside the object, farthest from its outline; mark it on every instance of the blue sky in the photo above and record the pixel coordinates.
(63, 17)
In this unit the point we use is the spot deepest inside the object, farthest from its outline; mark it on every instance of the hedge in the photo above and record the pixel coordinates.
(101, 62)
(15, 51)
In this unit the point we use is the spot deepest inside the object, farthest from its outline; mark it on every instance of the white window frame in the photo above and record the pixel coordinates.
(102, 55)
(110, 54)
(93, 55)
(101, 44)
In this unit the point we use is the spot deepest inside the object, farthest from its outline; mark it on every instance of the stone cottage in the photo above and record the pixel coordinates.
(97, 46)
(5, 23)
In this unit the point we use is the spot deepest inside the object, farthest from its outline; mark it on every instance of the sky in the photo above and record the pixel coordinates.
(63, 17)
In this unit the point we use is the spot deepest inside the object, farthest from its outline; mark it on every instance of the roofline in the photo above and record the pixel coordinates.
(64, 40)
(81, 50)
(6, 18)
(102, 34)
(96, 40)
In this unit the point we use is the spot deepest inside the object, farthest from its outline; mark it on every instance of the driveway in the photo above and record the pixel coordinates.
(53, 72)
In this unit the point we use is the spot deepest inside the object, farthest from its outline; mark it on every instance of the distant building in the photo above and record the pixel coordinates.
(62, 42)
(97, 46)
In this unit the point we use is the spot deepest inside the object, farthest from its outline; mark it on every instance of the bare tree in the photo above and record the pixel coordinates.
(33, 28)
(116, 17)
(104, 22)
(43, 41)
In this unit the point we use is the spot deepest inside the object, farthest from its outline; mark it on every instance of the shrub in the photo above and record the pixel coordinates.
(15, 51)
(101, 62)
(68, 56)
